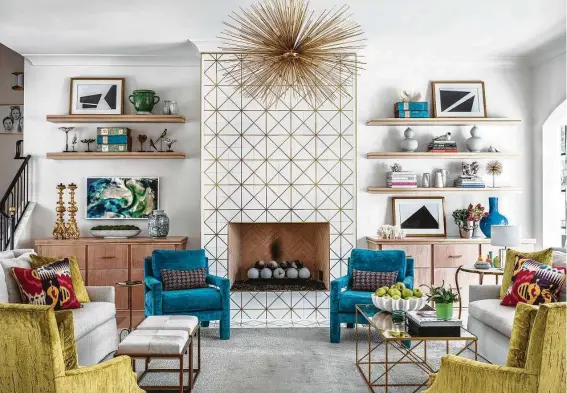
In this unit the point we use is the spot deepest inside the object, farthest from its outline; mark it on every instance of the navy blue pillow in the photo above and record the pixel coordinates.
(177, 260)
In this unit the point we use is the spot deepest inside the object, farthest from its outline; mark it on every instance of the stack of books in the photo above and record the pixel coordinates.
(469, 182)
(425, 324)
(404, 179)
(411, 109)
(442, 146)
(113, 139)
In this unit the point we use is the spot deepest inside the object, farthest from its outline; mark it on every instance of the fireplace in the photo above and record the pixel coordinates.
(290, 245)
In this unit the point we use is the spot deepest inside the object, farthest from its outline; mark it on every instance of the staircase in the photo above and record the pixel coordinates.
(15, 206)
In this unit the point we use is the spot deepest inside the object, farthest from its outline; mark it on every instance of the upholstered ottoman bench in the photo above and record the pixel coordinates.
(151, 344)
(190, 324)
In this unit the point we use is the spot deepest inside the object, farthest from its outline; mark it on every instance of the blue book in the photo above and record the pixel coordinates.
(409, 114)
(471, 186)
(112, 139)
(411, 106)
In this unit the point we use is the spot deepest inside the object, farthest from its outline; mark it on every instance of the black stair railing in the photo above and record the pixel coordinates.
(13, 205)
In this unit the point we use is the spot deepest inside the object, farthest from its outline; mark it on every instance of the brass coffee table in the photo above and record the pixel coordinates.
(411, 351)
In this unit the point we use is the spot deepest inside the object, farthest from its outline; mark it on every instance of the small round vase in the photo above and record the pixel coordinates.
(144, 101)
(493, 218)
(158, 224)
(474, 143)
(466, 230)
(409, 144)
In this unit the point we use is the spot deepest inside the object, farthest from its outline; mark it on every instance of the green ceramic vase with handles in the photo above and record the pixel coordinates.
(144, 101)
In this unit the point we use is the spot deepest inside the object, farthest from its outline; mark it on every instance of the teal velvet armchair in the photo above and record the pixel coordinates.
(344, 299)
(208, 304)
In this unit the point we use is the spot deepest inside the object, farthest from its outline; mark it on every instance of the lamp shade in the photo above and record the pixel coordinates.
(505, 235)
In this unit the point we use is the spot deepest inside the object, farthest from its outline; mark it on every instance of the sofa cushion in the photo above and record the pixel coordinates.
(76, 277)
(491, 313)
(10, 286)
(513, 264)
(183, 279)
(90, 316)
(371, 281)
(177, 260)
(378, 261)
(199, 299)
(349, 299)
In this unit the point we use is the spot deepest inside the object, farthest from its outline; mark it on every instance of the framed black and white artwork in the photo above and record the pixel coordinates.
(458, 99)
(420, 216)
(12, 116)
(97, 96)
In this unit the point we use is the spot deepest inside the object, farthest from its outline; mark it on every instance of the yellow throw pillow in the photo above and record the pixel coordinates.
(513, 264)
(76, 278)
(523, 322)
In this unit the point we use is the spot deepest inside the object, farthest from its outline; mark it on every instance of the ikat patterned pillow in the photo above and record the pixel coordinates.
(370, 281)
(183, 279)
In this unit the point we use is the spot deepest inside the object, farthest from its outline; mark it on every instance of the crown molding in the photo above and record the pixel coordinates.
(547, 52)
(38, 60)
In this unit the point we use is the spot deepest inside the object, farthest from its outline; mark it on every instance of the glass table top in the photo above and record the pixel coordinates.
(389, 331)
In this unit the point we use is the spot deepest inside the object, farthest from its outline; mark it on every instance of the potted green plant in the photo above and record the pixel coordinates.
(443, 299)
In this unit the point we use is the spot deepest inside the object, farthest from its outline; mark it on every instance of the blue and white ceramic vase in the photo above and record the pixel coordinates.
(158, 224)
(493, 218)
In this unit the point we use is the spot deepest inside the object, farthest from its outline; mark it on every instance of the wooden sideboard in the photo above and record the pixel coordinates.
(106, 261)
(437, 259)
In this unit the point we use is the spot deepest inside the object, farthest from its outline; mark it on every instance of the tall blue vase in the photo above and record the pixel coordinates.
(494, 217)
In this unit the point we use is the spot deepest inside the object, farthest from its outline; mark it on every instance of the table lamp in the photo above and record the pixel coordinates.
(504, 236)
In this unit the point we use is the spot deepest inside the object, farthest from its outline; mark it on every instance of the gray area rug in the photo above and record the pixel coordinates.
(298, 360)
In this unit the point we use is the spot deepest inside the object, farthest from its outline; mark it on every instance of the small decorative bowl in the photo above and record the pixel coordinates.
(389, 304)
(115, 233)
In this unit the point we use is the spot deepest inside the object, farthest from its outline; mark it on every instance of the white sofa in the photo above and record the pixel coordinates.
(96, 334)
(491, 322)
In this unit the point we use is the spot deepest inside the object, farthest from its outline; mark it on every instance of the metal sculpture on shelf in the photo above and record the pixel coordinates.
(60, 230)
(74, 142)
(88, 142)
(169, 143)
(66, 130)
(494, 168)
(72, 229)
(284, 44)
(153, 145)
(161, 139)
(142, 139)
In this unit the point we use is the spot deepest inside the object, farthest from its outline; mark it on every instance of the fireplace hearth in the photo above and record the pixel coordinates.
(279, 256)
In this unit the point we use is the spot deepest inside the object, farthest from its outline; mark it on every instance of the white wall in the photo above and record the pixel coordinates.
(507, 95)
(47, 92)
(548, 92)
(10, 61)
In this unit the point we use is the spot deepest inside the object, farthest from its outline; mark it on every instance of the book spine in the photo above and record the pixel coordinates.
(402, 178)
(112, 131)
(443, 150)
(410, 114)
(408, 183)
(411, 106)
(113, 148)
(471, 186)
(112, 139)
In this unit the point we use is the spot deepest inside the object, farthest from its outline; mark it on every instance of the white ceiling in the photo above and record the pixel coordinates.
(458, 27)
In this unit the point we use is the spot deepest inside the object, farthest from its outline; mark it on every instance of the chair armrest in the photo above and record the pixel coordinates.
(155, 288)
(113, 376)
(336, 286)
(483, 292)
(153, 284)
(223, 285)
(101, 294)
(458, 374)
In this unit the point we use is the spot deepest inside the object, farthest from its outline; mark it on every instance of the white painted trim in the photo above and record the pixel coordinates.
(112, 60)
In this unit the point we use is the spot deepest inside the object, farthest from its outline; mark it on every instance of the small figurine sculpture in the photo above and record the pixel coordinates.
(66, 130)
(74, 142)
(396, 167)
(160, 139)
(470, 169)
(492, 149)
(88, 142)
(169, 142)
(153, 145)
(413, 97)
(142, 139)
(390, 232)
(446, 137)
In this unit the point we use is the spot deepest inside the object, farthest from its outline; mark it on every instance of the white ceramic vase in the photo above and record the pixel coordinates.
(409, 144)
(474, 143)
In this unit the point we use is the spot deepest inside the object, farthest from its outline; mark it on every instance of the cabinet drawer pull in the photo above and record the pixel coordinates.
(107, 257)
(455, 256)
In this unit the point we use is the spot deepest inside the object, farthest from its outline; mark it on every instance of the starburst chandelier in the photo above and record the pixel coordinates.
(285, 45)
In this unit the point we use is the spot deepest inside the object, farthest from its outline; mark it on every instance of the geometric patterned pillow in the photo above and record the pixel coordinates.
(370, 281)
(49, 285)
(183, 279)
(534, 283)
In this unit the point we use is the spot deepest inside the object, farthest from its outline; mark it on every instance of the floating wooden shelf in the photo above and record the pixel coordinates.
(111, 156)
(443, 121)
(385, 155)
(434, 190)
(115, 118)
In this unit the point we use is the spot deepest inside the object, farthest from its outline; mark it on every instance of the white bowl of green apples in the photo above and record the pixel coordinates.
(398, 297)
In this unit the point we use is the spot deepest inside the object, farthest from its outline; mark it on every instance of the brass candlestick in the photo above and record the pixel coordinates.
(72, 227)
(60, 231)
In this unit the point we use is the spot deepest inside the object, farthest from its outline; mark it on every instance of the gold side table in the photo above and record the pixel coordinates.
(481, 273)
(129, 284)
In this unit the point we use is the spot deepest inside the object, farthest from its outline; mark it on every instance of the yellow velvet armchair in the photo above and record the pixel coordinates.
(32, 357)
(535, 364)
